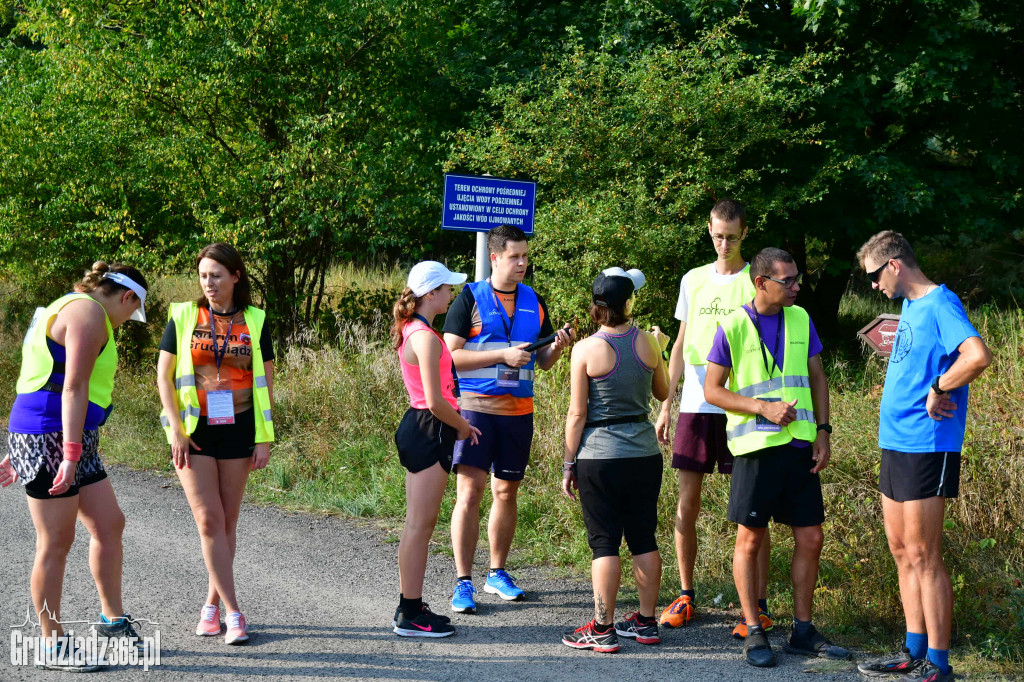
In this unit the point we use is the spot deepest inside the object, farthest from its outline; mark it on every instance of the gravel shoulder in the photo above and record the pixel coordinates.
(319, 594)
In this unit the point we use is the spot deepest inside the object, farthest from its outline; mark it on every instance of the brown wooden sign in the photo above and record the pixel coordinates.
(880, 333)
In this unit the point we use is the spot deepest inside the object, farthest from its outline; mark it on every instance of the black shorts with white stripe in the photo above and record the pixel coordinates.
(907, 476)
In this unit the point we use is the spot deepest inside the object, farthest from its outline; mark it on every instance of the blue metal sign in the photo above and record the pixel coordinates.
(476, 204)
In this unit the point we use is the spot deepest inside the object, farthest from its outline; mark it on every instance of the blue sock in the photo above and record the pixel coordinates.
(801, 628)
(940, 657)
(763, 605)
(917, 643)
(688, 593)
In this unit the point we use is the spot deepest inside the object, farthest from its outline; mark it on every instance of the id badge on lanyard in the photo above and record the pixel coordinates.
(763, 423)
(220, 401)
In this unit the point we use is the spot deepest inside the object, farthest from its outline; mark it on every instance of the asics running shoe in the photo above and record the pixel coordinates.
(679, 613)
(462, 597)
(897, 663)
(426, 624)
(587, 637)
(928, 672)
(119, 628)
(61, 656)
(499, 582)
(644, 633)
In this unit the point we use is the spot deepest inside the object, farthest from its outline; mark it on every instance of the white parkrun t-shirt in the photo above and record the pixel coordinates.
(692, 398)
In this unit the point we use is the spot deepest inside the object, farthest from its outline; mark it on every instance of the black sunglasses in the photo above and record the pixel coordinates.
(874, 275)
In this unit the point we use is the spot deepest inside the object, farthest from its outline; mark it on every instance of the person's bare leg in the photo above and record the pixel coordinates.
(470, 482)
(763, 560)
(501, 527)
(423, 493)
(233, 474)
(201, 483)
(606, 574)
(910, 588)
(54, 521)
(103, 518)
(744, 569)
(687, 511)
(647, 571)
(922, 526)
(807, 542)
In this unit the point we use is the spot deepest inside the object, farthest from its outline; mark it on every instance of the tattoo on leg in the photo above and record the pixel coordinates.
(600, 610)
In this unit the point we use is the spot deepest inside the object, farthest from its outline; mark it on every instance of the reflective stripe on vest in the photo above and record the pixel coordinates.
(37, 363)
(186, 316)
(524, 328)
(707, 304)
(749, 378)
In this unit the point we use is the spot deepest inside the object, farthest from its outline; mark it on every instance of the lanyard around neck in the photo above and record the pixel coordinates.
(218, 357)
(506, 321)
(760, 339)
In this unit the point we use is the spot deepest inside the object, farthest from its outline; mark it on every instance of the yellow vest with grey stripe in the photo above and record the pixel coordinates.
(749, 378)
(186, 316)
(37, 364)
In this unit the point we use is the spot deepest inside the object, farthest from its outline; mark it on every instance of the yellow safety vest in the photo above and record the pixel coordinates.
(749, 378)
(37, 363)
(186, 316)
(707, 304)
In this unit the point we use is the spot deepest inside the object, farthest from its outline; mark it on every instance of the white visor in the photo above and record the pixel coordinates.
(140, 314)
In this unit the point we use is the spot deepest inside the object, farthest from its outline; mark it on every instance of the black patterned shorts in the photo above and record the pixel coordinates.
(37, 456)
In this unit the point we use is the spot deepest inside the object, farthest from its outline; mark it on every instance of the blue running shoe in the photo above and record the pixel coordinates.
(500, 583)
(462, 597)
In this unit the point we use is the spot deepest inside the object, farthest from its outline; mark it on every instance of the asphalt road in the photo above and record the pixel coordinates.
(319, 594)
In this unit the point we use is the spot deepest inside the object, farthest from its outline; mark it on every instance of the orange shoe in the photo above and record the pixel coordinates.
(740, 631)
(237, 629)
(679, 613)
(209, 621)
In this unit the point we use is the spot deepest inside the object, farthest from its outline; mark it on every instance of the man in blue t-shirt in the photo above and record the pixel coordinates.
(937, 353)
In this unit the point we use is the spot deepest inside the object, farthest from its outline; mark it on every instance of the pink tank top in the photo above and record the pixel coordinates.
(411, 373)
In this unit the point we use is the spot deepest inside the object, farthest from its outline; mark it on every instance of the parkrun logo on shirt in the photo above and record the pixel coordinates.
(714, 308)
(77, 651)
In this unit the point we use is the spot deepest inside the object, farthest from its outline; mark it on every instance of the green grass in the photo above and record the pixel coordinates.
(337, 408)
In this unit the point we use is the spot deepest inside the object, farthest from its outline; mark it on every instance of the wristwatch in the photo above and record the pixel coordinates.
(935, 386)
(826, 427)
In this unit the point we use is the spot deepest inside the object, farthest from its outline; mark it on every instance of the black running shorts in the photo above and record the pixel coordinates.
(907, 476)
(776, 483)
(226, 441)
(620, 497)
(424, 440)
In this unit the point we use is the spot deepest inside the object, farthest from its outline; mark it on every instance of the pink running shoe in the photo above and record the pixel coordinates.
(236, 633)
(209, 621)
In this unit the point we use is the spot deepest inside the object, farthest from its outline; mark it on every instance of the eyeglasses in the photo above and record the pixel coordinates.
(874, 275)
(718, 238)
(789, 282)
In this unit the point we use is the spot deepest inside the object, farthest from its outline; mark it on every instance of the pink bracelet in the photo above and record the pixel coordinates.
(72, 451)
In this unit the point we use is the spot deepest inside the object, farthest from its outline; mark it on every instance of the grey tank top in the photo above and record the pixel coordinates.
(623, 392)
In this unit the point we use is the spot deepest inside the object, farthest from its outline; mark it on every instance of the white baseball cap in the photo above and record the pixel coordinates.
(126, 281)
(429, 275)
